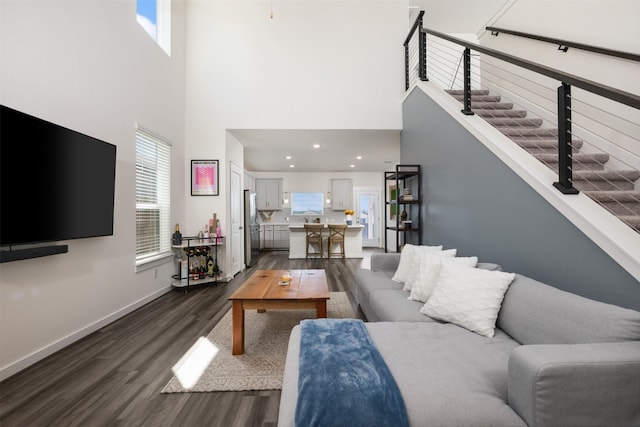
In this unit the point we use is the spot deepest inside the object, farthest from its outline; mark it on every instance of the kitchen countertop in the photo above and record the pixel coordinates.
(301, 225)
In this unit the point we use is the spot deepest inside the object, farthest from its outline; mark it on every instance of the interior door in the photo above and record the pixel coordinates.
(367, 214)
(237, 219)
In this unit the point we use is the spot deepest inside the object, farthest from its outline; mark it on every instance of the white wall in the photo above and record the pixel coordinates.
(610, 24)
(89, 66)
(315, 65)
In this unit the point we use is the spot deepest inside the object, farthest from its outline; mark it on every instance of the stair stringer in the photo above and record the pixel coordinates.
(610, 234)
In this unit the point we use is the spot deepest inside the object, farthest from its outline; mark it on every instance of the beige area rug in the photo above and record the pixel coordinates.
(209, 366)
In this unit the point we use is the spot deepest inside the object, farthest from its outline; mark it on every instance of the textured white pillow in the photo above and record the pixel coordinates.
(406, 260)
(415, 271)
(468, 297)
(429, 272)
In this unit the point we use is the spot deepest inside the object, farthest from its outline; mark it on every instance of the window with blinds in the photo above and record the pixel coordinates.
(153, 197)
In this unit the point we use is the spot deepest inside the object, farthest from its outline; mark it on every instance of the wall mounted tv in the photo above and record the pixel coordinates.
(55, 184)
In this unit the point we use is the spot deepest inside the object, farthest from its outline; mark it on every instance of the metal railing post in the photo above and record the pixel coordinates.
(406, 67)
(422, 47)
(467, 82)
(565, 166)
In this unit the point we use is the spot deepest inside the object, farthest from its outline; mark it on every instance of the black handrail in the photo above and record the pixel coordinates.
(414, 27)
(564, 44)
(618, 95)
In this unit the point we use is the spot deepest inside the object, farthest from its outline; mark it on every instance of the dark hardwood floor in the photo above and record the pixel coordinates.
(113, 377)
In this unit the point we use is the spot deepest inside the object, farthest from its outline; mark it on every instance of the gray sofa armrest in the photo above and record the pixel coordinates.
(387, 262)
(576, 384)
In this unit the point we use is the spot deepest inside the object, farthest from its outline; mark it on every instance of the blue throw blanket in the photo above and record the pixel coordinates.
(343, 379)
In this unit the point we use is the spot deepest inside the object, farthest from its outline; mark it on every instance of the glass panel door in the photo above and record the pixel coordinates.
(367, 215)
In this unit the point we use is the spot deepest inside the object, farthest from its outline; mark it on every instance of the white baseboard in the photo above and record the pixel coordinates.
(36, 356)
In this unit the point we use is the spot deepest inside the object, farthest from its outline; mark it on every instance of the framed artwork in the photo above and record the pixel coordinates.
(205, 178)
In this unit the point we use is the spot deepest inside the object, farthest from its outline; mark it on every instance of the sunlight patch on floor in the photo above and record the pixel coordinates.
(192, 365)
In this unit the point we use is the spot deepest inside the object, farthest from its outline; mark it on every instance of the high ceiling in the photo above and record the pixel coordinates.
(265, 150)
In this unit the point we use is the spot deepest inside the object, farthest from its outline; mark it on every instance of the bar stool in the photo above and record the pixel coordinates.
(314, 235)
(336, 236)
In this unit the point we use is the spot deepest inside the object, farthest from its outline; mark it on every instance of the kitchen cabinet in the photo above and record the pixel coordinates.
(341, 194)
(275, 236)
(269, 194)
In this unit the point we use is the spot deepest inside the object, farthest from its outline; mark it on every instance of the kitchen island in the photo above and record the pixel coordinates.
(352, 241)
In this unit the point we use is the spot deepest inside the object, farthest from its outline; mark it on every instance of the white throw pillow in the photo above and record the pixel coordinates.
(429, 271)
(415, 272)
(468, 297)
(406, 260)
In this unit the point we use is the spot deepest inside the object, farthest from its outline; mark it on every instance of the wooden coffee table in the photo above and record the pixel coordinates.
(307, 289)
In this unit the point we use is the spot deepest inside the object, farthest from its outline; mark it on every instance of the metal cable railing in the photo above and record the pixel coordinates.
(587, 132)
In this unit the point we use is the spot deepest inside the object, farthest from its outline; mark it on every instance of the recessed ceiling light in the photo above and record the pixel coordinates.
(316, 146)
(352, 166)
(288, 157)
(292, 166)
(358, 157)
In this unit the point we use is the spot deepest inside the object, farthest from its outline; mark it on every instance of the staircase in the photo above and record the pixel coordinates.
(612, 189)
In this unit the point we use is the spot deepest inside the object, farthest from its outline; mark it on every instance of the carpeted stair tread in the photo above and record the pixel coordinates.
(514, 122)
(499, 113)
(619, 196)
(580, 161)
(620, 180)
(479, 98)
(491, 105)
(528, 132)
(473, 92)
(618, 202)
(528, 142)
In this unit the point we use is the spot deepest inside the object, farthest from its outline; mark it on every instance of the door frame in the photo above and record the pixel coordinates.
(236, 238)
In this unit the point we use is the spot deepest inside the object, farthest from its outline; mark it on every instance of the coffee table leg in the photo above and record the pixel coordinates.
(237, 329)
(321, 309)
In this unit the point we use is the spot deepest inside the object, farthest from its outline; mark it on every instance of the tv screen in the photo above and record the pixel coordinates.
(55, 183)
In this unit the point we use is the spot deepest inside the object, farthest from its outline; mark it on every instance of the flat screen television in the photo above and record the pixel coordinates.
(55, 184)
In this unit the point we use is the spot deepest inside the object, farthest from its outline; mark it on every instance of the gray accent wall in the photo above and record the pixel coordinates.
(476, 203)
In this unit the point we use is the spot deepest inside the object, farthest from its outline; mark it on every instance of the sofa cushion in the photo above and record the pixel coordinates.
(406, 261)
(368, 281)
(429, 271)
(393, 306)
(469, 297)
(387, 262)
(535, 313)
(439, 365)
(416, 271)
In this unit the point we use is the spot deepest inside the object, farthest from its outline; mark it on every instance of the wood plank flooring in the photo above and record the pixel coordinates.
(113, 377)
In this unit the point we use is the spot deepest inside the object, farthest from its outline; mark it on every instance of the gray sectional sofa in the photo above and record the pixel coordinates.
(556, 359)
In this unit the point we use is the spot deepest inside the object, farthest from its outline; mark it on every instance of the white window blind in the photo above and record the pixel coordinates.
(153, 197)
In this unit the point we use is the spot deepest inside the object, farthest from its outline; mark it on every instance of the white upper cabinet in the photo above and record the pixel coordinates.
(269, 194)
(341, 194)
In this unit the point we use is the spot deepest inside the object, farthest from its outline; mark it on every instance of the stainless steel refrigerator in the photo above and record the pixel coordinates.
(251, 229)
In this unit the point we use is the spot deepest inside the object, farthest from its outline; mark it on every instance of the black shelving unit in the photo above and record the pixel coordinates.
(409, 230)
(192, 247)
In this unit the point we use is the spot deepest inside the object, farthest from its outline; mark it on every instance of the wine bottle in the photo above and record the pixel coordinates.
(177, 236)
(210, 265)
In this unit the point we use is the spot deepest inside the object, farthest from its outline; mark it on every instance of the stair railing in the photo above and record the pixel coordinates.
(422, 51)
(564, 45)
(565, 158)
